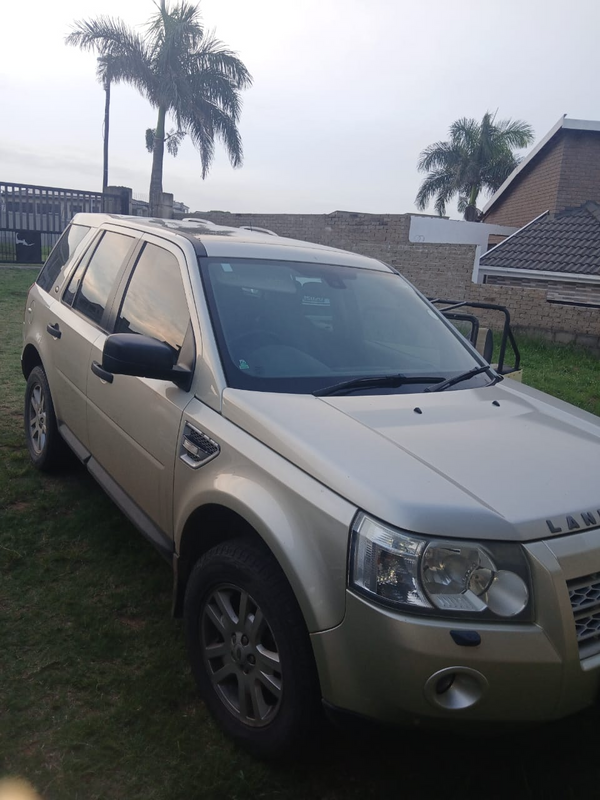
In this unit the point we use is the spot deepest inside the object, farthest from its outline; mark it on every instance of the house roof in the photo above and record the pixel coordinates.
(562, 124)
(565, 242)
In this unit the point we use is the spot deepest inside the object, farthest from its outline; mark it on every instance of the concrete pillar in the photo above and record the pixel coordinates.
(117, 200)
(166, 206)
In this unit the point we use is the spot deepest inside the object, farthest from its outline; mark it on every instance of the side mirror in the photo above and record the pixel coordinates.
(143, 357)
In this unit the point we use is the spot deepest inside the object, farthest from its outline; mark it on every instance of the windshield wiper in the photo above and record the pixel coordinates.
(373, 380)
(463, 376)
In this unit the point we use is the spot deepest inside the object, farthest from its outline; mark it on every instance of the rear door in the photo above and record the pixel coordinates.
(78, 320)
(134, 423)
(40, 317)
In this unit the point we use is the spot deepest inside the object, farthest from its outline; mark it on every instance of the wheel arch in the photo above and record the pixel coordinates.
(205, 528)
(30, 359)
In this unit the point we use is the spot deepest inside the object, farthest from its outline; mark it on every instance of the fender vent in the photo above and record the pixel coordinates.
(196, 447)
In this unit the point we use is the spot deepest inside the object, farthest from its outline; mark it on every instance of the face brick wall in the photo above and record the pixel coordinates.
(580, 173)
(438, 270)
(565, 175)
(534, 191)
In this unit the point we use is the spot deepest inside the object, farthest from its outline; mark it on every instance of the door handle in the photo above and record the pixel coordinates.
(54, 330)
(102, 373)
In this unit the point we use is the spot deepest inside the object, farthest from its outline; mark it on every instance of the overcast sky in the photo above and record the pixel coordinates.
(346, 93)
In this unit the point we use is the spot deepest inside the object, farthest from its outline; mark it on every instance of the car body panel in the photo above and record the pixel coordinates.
(457, 469)
(302, 522)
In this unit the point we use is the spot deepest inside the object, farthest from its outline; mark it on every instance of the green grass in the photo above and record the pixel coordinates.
(96, 699)
(566, 371)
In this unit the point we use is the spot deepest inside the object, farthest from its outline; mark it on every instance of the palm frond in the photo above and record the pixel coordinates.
(123, 55)
(174, 140)
(438, 155)
(437, 184)
(214, 56)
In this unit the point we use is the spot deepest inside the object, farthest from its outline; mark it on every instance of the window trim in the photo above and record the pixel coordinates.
(105, 320)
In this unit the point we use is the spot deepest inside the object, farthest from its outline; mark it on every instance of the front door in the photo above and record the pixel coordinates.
(134, 423)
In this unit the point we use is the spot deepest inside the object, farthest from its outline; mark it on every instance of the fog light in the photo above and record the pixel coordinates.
(455, 688)
(444, 683)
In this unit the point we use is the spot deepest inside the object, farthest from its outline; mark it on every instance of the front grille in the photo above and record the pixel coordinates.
(584, 594)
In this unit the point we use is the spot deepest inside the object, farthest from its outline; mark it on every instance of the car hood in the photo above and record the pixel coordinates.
(504, 462)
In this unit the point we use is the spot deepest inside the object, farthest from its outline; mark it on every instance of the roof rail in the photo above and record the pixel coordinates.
(258, 230)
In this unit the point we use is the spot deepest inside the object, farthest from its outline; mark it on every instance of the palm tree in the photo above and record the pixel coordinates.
(478, 157)
(183, 71)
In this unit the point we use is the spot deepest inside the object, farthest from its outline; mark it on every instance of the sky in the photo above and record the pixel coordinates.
(346, 94)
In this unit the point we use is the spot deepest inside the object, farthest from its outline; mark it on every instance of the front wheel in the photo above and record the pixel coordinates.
(44, 442)
(250, 650)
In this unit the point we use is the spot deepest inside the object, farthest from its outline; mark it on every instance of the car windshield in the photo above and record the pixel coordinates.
(297, 327)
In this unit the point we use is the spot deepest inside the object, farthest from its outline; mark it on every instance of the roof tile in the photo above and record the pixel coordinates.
(564, 242)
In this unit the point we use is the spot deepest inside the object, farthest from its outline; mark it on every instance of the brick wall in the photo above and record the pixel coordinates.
(438, 270)
(564, 175)
(530, 312)
(580, 173)
(534, 191)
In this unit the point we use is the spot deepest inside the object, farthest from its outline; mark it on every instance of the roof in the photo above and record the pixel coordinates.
(562, 124)
(222, 241)
(565, 242)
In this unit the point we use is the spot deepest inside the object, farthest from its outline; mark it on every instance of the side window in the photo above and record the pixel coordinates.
(62, 252)
(155, 303)
(99, 278)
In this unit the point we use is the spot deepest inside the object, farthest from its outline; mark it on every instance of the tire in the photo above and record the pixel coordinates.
(250, 650)
(47, 448)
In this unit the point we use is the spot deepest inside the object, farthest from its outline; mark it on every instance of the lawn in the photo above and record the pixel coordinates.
(96, 699)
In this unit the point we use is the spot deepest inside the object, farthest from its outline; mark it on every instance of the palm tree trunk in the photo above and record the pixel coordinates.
(106, 127)
(471, 210)
(473, 196)
(157, 164)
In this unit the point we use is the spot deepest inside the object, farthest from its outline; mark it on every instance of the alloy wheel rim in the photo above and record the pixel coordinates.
(241, 655)
(37, 419)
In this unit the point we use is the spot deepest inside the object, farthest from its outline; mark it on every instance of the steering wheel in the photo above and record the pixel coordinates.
(254, 339)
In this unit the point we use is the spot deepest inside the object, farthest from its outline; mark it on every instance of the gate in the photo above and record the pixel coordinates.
(33, 217)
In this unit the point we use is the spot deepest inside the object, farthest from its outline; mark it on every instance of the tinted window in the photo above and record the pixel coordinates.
(295, 327)
(100, 275)
(155, 303)
(63, 252)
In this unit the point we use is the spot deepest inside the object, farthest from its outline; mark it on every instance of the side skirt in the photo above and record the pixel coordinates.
(132, 511)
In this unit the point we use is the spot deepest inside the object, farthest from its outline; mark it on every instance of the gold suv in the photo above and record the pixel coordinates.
(359, 512)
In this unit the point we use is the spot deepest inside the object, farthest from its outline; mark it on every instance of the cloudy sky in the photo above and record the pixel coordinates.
(346, 94)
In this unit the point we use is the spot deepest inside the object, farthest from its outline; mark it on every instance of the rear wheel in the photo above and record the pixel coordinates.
(250, 650)
(45, 444)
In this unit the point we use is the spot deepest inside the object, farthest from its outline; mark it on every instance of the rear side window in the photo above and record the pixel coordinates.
(155, 303)
(60, 255)
(100, 276)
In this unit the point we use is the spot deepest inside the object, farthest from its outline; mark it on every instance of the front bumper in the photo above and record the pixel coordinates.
(386, 666)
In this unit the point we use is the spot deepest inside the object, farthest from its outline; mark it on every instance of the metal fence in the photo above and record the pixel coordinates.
(45, 210)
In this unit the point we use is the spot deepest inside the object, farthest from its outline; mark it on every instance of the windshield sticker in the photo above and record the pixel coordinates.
(243, 364)
(226, 267)
(315, 300)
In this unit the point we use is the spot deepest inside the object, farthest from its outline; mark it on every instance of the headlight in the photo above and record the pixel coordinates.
(455, 578)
